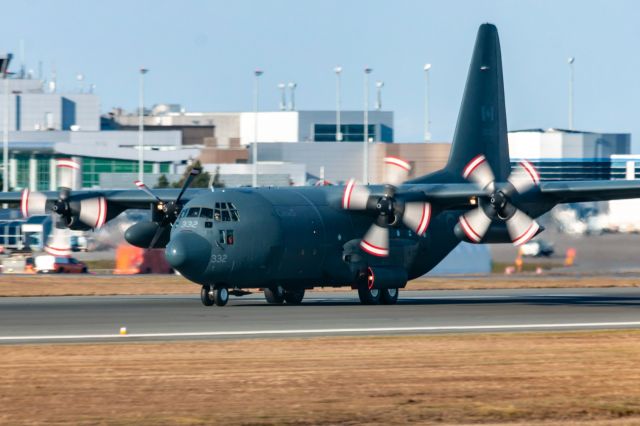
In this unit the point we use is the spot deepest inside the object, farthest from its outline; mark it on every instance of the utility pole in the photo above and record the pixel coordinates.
(257, 73)
(427, 119)
(338, 71)
(570, 61)
(365, 165)
(143, 71)
(4, 68)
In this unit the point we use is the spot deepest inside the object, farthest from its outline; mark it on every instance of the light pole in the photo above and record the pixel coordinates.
(292, 87)
(257, 73)
(379, 86)
(4, 68)
(143, 71)
(427, 120)
(283, 96)
(338, 71)
(365, 165)
(570, 61)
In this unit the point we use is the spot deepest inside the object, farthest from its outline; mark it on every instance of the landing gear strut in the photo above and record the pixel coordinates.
(278, 295)
(217, 295)
(368, 296)
(206, 295)
(274, 295)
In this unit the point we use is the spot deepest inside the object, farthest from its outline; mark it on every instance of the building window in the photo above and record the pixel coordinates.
(22, 172)
(350, 132)
(43, 174)
(93, 167)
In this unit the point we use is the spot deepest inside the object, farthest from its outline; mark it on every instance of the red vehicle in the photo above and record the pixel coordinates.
(134, 260)
(60, 265)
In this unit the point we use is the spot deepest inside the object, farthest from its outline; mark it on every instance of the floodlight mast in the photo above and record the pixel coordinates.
(365, 165)
(570, 61)
(254, 178)
(338, 71)
(143, 71)
(4, 70)
(427, 119)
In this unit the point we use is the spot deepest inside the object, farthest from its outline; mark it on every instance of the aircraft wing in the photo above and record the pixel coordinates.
(457, 196)
(126, 198)
(595, 190)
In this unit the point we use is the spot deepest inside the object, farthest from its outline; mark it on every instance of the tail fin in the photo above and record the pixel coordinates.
(482, 121)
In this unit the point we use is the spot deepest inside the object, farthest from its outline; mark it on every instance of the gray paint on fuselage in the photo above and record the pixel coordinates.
(296, 236)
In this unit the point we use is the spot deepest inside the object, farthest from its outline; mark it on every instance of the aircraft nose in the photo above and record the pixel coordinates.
(188, 253)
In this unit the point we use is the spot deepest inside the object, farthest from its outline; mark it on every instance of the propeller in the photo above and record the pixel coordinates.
(169, 210)
(498, 205)
(66, 211)
(390, 207)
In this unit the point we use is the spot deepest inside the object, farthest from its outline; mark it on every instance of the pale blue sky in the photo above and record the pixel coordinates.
(202, 54)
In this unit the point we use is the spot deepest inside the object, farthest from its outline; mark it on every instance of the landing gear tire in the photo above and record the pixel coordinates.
(221, 296)
(274, 295)
(205, 296)
(369, 296)
(294, 297)
(389, 296)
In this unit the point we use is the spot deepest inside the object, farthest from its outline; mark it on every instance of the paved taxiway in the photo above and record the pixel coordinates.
(60, 319)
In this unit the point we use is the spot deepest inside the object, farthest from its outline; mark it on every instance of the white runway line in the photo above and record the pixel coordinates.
(328, 331)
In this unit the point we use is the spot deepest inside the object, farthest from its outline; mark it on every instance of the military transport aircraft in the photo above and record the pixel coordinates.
(371, 237)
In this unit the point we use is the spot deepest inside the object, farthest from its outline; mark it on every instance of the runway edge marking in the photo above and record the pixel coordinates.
(325, 331)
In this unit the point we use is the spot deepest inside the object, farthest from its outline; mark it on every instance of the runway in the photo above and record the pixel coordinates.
(74, 319)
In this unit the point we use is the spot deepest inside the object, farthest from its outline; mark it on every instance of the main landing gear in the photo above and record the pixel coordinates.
(214, 295)
(278, 295)
(374, 296)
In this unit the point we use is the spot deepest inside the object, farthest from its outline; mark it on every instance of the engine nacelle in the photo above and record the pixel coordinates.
(496, 234)
(141, 234)
(385, 277)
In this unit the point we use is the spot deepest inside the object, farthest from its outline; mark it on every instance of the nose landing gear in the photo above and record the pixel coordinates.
(214, 295)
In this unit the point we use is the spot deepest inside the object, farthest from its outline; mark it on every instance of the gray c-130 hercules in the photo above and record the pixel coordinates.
(371, 237)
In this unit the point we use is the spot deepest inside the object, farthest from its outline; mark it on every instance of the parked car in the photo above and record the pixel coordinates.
(54, 264)
(537, 248)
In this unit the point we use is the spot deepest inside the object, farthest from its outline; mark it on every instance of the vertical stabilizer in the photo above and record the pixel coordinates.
(482, 121)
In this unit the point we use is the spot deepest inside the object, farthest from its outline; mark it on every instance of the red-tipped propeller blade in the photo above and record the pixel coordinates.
(524, 177)
(146, 189)
(59, 244)
(417, 216)
(521, 228)
(475, 224)
(93, 212)
(376, 241)
(355, 196)
(33, 203)
(67, 173)
(479, 171)
(396, 170)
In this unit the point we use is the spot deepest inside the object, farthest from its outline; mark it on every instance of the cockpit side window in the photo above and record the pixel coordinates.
(206, 213)
(193, 212)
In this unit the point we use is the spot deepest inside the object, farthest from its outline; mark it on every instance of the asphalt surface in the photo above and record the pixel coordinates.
(85, 319)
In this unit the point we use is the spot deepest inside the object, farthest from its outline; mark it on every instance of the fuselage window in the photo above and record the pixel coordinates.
(226, 217)
(193, 212)
(206, 213)
(226, 237)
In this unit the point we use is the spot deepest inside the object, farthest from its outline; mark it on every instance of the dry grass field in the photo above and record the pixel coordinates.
(528, 378)
(97, 285)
